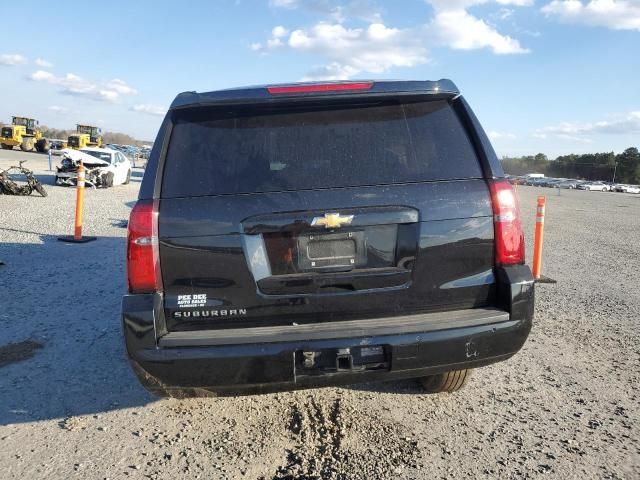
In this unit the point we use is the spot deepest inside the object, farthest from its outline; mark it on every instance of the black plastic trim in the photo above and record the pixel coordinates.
(428, 322)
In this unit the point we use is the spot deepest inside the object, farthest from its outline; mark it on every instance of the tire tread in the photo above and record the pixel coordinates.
(449, 382)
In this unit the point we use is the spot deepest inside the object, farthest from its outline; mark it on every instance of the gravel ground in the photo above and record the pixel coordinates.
(567, 406)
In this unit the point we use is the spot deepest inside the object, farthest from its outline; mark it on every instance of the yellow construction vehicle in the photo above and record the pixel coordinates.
(85, 136)
(23, 132)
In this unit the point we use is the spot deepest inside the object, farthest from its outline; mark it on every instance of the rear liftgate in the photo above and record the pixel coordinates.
(334, 253)
(354, 250)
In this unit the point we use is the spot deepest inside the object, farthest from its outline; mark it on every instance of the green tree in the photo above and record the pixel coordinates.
(628, 169)
(586, 166)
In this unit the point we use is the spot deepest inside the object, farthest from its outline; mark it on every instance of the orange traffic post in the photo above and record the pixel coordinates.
(538, 238)
(77, 230)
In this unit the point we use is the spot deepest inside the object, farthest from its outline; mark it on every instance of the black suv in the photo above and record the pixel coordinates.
(323, 233)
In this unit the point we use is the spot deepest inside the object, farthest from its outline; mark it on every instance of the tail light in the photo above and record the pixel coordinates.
(509, 237)
(319, 87)
(143, 261)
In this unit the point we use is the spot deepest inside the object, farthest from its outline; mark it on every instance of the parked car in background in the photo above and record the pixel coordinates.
(57, 144)
(597, 186)
(552, 182)
(534, 181)
(517, 180)
(105, 167)
(568, 184)
(628, 188)
(544, 182)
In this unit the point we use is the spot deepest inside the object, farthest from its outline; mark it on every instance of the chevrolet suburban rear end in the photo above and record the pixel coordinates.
(316, 234)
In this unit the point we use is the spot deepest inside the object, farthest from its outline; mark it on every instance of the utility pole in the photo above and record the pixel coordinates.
(615, 166)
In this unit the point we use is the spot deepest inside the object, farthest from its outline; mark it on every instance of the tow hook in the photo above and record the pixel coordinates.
(344, 360)
(310, 359)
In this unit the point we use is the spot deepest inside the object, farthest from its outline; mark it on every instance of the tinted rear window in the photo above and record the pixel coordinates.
(220, 152)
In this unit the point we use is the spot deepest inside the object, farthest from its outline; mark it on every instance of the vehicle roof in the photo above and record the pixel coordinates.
(259, 93)
(98, 149)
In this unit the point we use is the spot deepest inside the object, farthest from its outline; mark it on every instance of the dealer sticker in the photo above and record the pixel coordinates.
(192, 301)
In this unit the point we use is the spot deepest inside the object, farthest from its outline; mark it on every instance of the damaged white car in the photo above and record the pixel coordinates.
(104, 167)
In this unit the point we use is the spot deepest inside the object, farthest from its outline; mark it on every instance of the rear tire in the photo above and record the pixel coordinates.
(7, 147)
(445, 382)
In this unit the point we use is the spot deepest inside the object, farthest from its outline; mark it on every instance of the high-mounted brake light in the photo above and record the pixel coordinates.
(509, 237)
(143, 264)
(320, 87)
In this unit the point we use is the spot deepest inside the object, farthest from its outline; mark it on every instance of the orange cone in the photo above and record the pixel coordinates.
(77, 230)
(538, 238)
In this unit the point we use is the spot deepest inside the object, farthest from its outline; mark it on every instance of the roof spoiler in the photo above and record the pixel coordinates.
(312, 90)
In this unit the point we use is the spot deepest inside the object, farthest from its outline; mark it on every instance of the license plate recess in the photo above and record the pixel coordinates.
(330, 251)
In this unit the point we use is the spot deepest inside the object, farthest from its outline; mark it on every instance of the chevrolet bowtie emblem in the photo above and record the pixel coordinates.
(332, 220)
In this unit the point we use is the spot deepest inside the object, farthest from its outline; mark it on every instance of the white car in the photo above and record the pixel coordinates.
(598, 186)
(104, 166)
(629, 188)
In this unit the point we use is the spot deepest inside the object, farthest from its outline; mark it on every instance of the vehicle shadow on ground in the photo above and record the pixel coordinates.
(61, 352)
(409, 387)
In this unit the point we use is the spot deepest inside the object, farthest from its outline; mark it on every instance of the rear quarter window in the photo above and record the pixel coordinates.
(215, 152)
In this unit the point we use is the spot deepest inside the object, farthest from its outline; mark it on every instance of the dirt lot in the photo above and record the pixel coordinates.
(567, 406)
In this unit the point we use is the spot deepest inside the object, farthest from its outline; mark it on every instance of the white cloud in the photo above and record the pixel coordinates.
(275, 41)
(43, 63)
(456, 28)
(613, 14)
(71, 84)
(331, 71)
(279, 32)
(42, 76)
(374, 49)
(149, 109)
(12, 59)
(493, 135)
(377, 47)
(503, 13)
(57, 109)
(121, 87)
(620, 124)
(361, 9)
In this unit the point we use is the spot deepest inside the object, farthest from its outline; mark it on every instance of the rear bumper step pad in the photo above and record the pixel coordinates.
(427, 322)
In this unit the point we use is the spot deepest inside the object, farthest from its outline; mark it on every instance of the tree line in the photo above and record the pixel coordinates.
(621, 168)
(108, 137)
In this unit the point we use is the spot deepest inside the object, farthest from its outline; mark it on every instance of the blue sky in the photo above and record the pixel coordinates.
(552, 76)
